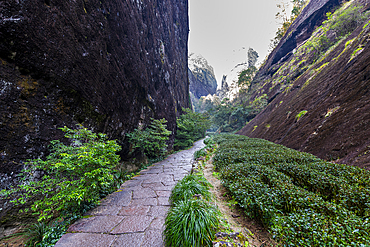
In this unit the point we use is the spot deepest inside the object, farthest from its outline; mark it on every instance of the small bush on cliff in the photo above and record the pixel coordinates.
(338, 25)
(74, 176)
(151, 141)
(191, 126)
(345, 20)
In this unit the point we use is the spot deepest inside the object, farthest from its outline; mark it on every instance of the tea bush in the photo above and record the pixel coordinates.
(301, 199)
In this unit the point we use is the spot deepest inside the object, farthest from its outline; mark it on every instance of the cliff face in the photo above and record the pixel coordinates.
(106, 64)
(311, 17)
(319, 98)
(201, 76)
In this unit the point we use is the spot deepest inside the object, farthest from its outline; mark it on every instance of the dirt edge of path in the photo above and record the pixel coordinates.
(256, 234)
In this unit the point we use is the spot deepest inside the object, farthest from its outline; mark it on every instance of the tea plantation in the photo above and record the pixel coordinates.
(301, 199)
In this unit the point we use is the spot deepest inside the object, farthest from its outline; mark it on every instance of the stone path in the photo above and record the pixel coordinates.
(134, 215)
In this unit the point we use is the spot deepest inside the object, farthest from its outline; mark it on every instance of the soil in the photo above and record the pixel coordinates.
(17, 241)
(253, 230)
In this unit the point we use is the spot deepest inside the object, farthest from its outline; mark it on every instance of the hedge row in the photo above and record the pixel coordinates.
(301, 199)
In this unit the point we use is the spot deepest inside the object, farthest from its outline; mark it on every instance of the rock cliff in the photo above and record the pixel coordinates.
(318, 86)
(109, 65)
(201, 76)
(229, 86)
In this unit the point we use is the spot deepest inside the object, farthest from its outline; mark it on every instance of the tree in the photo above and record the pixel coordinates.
(191, 126)
(153, 140)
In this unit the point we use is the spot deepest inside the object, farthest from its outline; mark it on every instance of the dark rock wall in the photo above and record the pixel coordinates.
(109, 65)
(334, 92)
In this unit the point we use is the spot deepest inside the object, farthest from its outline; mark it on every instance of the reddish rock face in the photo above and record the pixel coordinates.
(311, 17)
(325, 108)
(106, 64)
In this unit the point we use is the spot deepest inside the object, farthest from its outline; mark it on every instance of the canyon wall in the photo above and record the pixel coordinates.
(318, 96)
(109, 65)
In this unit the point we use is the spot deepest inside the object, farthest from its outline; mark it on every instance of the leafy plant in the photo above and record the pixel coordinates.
(153, 140)
(191, 126)
(200, 153)
(75, 175)
(246, 76)
(35, 233)
(191, 223)
(300, 114)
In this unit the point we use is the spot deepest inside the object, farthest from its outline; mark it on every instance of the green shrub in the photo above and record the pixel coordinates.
(153, 140)
(338, 25)
(191, 223)
(302, 200)
(75, 176)
(191, 127)
(200, 153)
(189, 186)
(345, 20)
(42, 235)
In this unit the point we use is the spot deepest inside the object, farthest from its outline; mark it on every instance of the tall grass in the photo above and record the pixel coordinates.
(191, 223)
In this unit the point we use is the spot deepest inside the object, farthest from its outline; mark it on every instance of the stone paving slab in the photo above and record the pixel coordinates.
(131, 224)
(96, 224)
(134, 210)
(129, 240)
(85, 239)
(135, 214)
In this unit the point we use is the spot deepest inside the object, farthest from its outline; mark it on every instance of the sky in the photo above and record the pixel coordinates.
(223, 30)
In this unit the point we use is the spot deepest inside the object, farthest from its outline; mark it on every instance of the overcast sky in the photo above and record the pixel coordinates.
(223, 30)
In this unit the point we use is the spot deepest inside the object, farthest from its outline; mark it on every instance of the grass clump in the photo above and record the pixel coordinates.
(301, 199)
(193, 220)
(189, 186)
(191, 223)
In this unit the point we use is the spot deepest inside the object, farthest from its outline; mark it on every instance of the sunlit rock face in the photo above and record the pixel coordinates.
(201, 76)
(318, 103)
(311, 17)
(109, 65)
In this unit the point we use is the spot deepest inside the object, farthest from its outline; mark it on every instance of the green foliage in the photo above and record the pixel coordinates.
(191, 127)
(228, 118)
(205, 152)
(338, 25)
(260, 102)
(301, 199)
(246, 76)
(35, 233)
(42, 235)
(200, 153)
(300, 114)
(345, 20)
(153, 140)
(189, 186)
(191, 223)
(75, 176)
